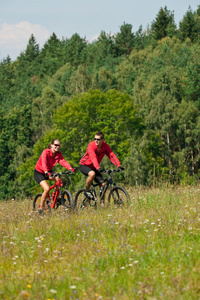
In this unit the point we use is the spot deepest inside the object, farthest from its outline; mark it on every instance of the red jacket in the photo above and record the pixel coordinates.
(93, 156)
(46, 161)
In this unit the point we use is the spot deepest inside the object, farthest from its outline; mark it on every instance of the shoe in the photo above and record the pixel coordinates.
(88, 194)
(40, 211)
(102, 204)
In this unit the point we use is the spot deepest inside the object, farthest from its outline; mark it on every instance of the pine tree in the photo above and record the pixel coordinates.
(189, 26)
(125, 40)
(163, 24)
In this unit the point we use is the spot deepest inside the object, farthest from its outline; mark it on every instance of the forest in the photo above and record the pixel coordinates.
(140, 88)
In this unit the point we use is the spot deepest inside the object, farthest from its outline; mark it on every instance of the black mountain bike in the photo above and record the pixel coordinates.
(108, 195)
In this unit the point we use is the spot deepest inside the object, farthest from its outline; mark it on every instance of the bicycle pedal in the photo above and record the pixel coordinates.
(89, 195)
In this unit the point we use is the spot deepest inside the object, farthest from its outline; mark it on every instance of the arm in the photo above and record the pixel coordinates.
(63, 162)
(111, 155)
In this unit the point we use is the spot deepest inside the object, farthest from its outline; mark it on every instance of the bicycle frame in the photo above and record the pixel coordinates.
(55, 195)
(108, 183)
(117, 195)
(58, 185)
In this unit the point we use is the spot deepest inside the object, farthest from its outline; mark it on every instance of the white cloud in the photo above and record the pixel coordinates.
(93, 38)
(14, 38)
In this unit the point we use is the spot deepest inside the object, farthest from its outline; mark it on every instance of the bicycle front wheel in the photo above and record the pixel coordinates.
(36, 203)
(118, 197)
(66, 200)
(81, 201)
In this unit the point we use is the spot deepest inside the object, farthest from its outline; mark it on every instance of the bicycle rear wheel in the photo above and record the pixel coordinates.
(36, 203)
(66, 200)
(119, 197)
(82, 202)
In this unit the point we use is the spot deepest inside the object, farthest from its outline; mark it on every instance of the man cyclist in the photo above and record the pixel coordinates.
(89, 163)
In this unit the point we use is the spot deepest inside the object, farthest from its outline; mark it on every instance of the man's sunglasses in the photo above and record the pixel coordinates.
(97, 139)
(56, 145)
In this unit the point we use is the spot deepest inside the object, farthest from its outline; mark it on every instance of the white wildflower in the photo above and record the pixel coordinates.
(73, 287)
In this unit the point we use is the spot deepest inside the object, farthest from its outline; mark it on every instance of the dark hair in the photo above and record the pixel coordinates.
(52, 142)
(100, 133)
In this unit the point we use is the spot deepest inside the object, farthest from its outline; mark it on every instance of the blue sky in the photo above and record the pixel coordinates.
(21, 18)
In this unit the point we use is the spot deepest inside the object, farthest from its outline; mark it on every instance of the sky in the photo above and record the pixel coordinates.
(21, 18)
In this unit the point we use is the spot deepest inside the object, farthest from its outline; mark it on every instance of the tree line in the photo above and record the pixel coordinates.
(141, 89)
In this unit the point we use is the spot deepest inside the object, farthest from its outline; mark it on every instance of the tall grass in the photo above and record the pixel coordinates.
(149, 251)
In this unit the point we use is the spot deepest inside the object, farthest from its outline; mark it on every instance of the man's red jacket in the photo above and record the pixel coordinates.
(93, 156)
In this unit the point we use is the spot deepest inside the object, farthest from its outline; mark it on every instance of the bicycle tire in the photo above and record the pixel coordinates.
(36, 203)
(81, 202)
(67, 200)
(119, 197)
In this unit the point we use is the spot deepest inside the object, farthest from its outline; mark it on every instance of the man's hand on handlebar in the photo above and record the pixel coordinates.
(119, 169)
(101, 170)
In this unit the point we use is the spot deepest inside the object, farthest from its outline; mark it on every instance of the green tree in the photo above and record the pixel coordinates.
(125, 40)
(28, 63)
(43, 109)
(61, 80)
(51, 56)
(125, 75)
(164, 24)
(80, 81)
(103, 51)
(15, 133)
(32, 50)
(187, 137)
(145, 163)
(6, 78)
(103, 80)
(73, 50)
(191, 87)
(189, 26)
(142, 38)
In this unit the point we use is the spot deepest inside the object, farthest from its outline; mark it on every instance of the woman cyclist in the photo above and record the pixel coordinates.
(43, 168)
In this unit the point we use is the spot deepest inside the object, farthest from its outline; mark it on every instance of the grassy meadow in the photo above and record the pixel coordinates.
(149, 251)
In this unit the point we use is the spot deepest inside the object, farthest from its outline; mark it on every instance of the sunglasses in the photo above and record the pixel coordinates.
(56, 145)
(97, 139)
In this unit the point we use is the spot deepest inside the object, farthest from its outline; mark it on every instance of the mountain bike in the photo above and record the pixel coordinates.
(116, 196)
(58, 195)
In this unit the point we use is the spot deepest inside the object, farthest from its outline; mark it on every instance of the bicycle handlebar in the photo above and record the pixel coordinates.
(111, 170)
(63, 173)
(70, 172)
(106, 172)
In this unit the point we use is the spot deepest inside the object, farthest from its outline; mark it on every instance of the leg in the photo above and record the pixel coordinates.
(45, 187)
(89, 173)
(90, 178)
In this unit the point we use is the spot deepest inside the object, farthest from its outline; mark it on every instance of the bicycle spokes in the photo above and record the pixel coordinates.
(85, 203)
(119, 197)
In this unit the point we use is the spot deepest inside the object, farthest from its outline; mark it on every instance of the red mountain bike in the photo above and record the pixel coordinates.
(58, 195)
